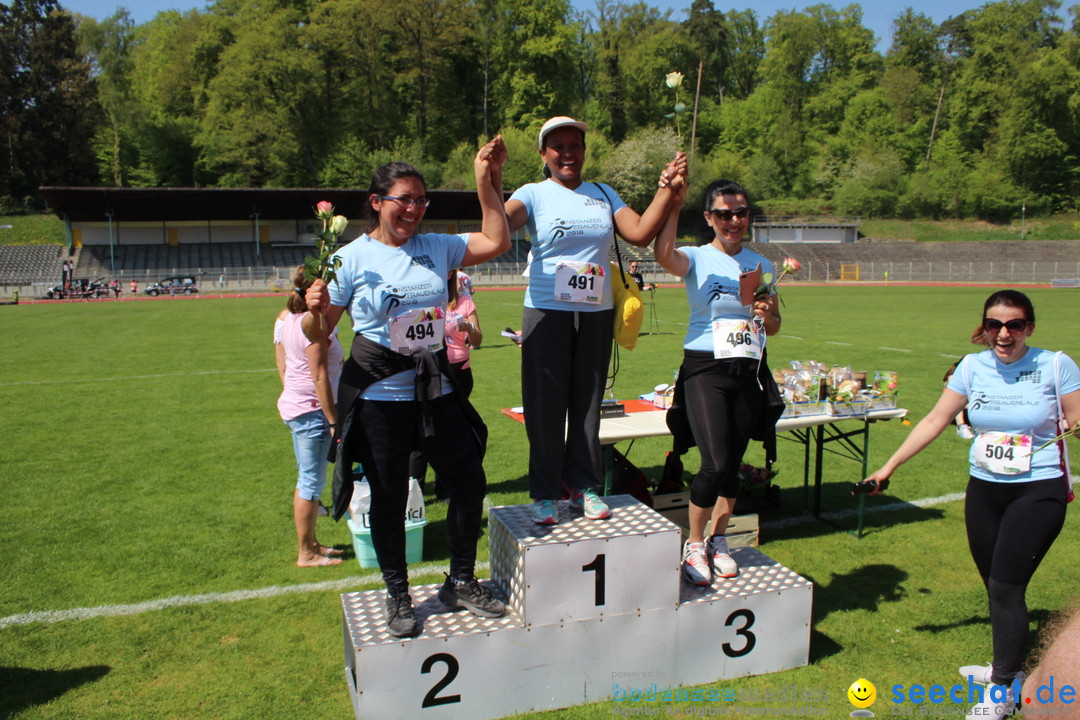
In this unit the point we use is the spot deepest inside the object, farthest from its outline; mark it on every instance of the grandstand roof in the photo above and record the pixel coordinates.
(94, 204)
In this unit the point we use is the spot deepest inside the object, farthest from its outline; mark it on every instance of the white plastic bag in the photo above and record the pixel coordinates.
(415, 511)
(360, 505)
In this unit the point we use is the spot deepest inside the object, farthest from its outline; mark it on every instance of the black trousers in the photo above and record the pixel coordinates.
(463, 378)
(564, 362)
(388, 432)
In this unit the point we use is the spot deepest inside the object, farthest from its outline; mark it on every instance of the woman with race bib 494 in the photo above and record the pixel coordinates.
(397, 392)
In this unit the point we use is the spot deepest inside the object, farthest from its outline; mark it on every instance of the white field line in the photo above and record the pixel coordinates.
(832, 342)
(894, 349)
(69, 381)
(58, 616)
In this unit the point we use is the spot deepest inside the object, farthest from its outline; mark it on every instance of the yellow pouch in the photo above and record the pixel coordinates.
(629, 308)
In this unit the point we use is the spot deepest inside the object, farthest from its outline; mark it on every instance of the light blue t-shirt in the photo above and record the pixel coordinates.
(567, 226)
(712, 289)
(1018, 398)
(377, 282)
(748, 260)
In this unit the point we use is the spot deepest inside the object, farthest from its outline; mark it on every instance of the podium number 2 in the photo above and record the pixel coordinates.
(432, 698)
(748, 616)
(597, 566)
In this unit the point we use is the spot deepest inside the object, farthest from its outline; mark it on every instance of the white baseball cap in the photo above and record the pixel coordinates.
(558, 122)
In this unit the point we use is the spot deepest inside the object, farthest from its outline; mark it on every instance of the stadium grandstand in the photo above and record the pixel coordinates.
(249, 240)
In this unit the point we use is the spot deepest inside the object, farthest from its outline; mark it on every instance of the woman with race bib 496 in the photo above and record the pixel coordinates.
(723, 353)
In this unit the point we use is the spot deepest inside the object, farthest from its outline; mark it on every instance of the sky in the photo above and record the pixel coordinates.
(877, 15)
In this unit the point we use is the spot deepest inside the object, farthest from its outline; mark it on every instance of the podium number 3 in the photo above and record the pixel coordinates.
(750, 640)
(432, 698)
(597, 566)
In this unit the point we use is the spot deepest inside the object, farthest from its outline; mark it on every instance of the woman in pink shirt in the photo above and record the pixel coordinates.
(309, 380)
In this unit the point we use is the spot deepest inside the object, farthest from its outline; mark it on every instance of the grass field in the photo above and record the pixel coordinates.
(148, 538)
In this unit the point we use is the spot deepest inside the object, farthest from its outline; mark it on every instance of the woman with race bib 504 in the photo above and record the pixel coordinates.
(1017, 487)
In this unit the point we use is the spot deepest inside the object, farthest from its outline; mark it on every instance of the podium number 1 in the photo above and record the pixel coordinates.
(597, 566)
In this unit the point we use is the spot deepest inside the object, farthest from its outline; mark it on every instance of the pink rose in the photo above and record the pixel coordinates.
(324, 210)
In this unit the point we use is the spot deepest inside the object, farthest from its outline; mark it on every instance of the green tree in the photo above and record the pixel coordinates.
(744, 53)
(536, 76)
(109, 47)
(168, 90)
(632, 166)
(49, 103)
(265, 121)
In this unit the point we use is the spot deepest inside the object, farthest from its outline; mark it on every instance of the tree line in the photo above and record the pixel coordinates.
(972, 117)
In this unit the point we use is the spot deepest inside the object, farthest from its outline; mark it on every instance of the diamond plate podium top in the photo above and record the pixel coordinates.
(365, 617)
(629, 516)
(758, 573)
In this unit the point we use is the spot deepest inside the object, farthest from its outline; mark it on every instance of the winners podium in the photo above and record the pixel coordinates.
(596, 610)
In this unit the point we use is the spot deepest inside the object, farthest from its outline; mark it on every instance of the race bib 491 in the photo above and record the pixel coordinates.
(579, 282)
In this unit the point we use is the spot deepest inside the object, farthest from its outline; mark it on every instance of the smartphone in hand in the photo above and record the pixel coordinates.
(749, 282)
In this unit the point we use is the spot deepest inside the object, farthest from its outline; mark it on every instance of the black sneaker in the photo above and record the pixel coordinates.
(472, 596)
(400, 621)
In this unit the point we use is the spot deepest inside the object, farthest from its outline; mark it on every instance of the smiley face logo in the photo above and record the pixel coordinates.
(862, 693)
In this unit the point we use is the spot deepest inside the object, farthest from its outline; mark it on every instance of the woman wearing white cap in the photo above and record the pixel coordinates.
(568, 319)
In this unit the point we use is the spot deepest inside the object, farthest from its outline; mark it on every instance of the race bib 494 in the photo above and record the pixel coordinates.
(416, 330)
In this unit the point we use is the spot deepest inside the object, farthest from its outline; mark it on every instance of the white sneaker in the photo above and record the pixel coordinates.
(723, 564)
(992, 706)
(979, 674)
(695, 565)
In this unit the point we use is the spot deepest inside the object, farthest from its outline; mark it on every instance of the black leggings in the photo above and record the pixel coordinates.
(722, 409)
(1010, 527)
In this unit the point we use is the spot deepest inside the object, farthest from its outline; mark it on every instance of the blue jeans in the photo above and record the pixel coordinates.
(311, 443)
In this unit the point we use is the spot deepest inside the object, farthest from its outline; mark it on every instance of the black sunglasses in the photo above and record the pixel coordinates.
(727, 215)
(1015, 326)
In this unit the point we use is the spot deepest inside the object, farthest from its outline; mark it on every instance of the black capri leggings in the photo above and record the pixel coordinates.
(1010, 526)
(723, 402)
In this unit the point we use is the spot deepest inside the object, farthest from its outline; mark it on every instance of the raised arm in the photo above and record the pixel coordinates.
(494, 236)
(641, 229)
(667, 255)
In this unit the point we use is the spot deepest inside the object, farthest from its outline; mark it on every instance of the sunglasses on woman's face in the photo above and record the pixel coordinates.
(727, 215)
(1014, 326)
